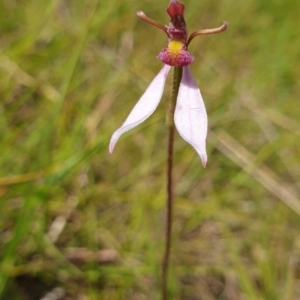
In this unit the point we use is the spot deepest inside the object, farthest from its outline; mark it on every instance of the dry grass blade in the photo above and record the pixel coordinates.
(60, 221)
(273, 115)
(84, 255)
(235, 151)
(21, 77)
(26, 177)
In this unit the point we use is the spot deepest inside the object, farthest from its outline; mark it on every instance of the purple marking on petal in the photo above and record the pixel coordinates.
(144, 107)
(190, 114)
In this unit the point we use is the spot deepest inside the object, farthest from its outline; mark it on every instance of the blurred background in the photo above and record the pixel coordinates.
(79, 223)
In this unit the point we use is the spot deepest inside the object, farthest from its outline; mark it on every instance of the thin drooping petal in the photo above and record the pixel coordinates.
(144, 107)
(190, 114)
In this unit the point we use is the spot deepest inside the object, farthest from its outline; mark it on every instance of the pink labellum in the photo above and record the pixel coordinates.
(190, 114)
(176, 59)
(144, 107)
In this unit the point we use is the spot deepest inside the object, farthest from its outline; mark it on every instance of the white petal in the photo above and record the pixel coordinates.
(144, 107)
(190, 114)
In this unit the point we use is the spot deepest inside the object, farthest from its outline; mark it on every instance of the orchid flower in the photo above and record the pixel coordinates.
(190, 114)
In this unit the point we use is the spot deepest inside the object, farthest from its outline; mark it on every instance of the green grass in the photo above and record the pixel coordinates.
(70, 72)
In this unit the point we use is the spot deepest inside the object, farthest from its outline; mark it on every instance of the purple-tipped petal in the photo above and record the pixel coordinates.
(190, 114)
(144, 107)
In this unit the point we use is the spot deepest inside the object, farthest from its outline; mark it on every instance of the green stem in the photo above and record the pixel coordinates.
(168, 235)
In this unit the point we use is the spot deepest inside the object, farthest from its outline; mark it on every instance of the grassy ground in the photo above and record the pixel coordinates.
(77, 221)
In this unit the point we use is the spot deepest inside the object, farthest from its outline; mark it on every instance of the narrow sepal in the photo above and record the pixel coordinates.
(144, 107)
(175, 8)
(190, 114)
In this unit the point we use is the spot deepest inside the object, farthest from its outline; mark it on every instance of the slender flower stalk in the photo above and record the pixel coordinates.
(186, 109)
(170, 124)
